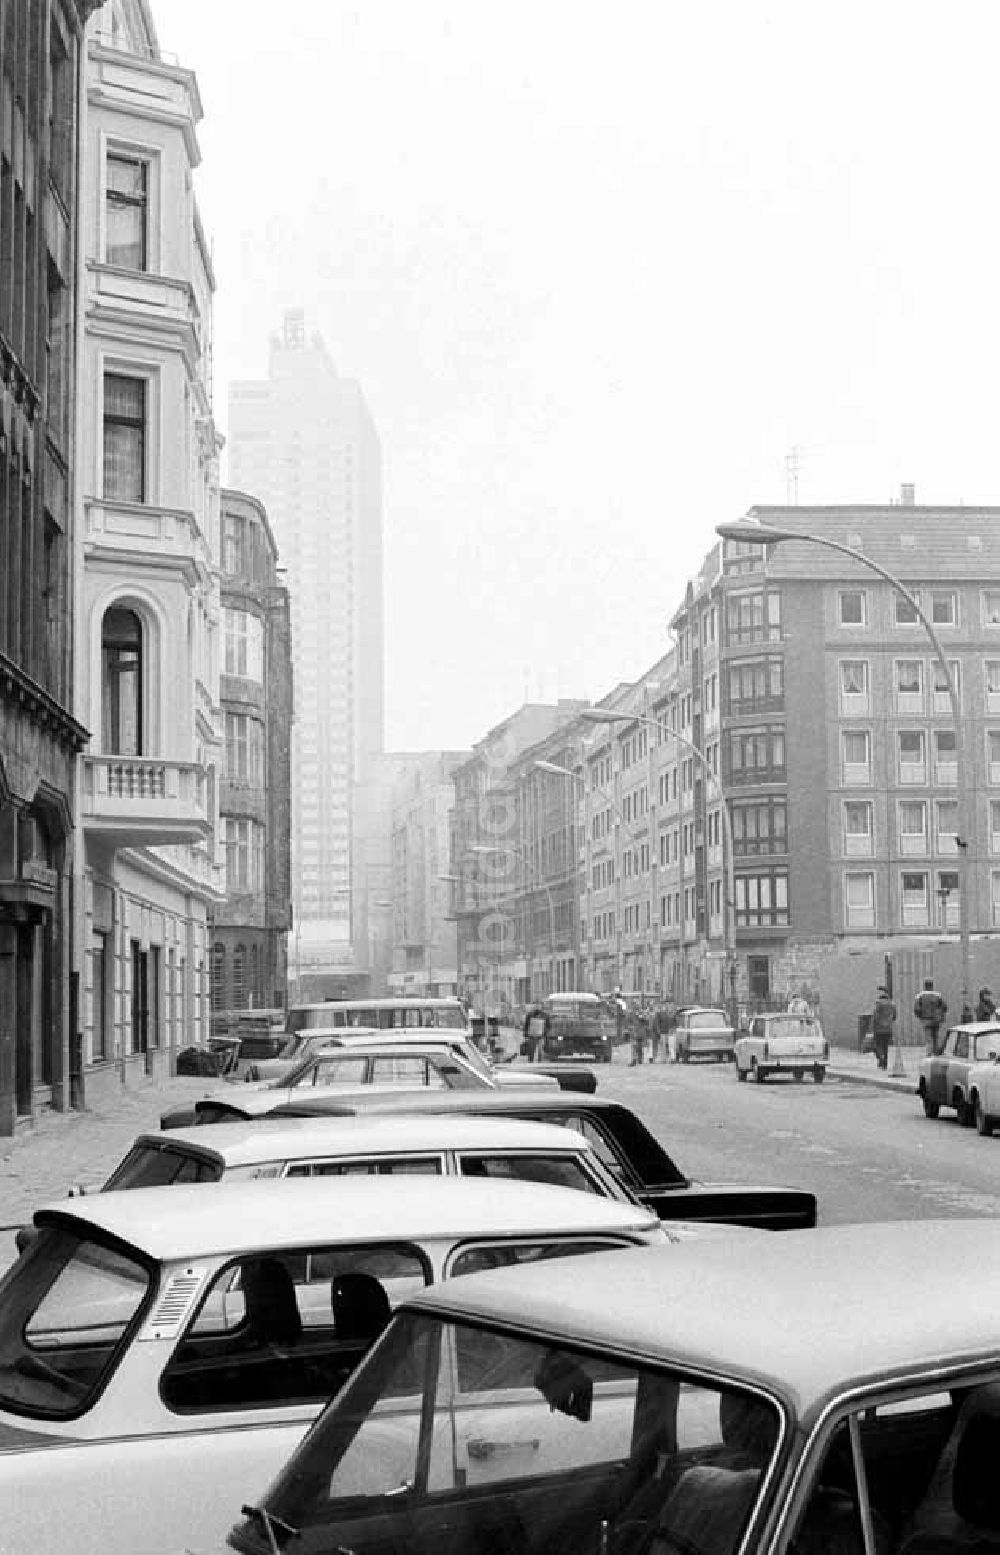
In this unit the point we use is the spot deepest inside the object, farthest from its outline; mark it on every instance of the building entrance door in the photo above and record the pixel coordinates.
(140, 998)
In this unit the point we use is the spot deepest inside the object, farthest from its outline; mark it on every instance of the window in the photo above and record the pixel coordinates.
(853, 607)
(859, 901)
(912, 758)
(905, 613)
(244, 645)
(759, 828)
(244, 750)
(995, 825)
(915, 900)
(856, 756)
(753, 617)
(940, 694)
(948, 901)
(995, 895)
(126, 213)
(993, 755)
(947, 826)
(912, 826)
(991, 607)
(762, 900)
(121, 685)
(244, 856)
(218, 976)
(124, 438)
(944, 607)
(909, 685)
(991, 669)
(858, 827)
(756, 754)
(233, 544)
(854, 685)
(755, 684)
(100, 968)
(945, 757)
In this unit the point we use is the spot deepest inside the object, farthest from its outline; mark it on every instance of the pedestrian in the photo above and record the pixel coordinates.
(930, 1010)
(536, 1029)
(883, 1020)
(637, 1033)
(987, 1006)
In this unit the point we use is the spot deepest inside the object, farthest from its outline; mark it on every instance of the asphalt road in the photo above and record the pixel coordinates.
(867, 1154)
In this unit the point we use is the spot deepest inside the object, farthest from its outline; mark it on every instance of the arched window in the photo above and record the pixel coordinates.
(218, 991)
(240, 978)
(121, 688)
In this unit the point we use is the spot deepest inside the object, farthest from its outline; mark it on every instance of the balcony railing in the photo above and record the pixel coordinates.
(145, 801)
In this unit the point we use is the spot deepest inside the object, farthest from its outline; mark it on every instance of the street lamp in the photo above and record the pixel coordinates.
(753, 533)
(606, 715)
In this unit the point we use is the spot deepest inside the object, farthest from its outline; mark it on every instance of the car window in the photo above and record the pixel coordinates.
(68, 1306)
(150, 1166)
(706, 1020)
(405, 1070)
(397, 1166)
(559, 1171)
(962, 1044)
(266, 1333)
(986, 1044)
(455, 1076)
(342, 1070)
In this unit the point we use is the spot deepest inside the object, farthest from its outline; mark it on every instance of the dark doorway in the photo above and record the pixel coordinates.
(25, 1024)
(759, 974)
(140, 999)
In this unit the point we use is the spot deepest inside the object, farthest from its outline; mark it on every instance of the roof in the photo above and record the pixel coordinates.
(374, 1098)
(401, 1001)
(244, 1142)
(867, 1302)
(200, 1221)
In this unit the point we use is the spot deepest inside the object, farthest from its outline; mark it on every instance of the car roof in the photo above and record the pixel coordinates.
(573, 998)
(187, 1221)
(419, 1003)
(863, 1302)
(374, 1098)
(244, 1142)
(350, 1039)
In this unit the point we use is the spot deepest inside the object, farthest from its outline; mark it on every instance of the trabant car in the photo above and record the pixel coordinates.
(352, 1061)
(162, 1351)
(943, 1078)
(984, 1094)
(618, 1136)
(701, 1033)
(782, 1043)
(621, 1406)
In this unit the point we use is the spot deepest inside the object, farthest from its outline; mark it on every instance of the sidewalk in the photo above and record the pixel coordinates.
(848, 1064)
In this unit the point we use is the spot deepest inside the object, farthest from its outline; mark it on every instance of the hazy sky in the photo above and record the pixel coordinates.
(599, 268)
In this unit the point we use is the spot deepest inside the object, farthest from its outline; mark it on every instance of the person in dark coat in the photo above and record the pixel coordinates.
(883, 1020)
(930, 1010)
(986, 1007)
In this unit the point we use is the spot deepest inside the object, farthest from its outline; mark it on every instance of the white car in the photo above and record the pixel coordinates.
(984, 1093)
(782, 1043)
(163, 1351)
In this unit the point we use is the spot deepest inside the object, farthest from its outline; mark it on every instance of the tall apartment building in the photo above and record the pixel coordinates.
(40, 45)
(250, 928)
(304, 441)
(147, 606)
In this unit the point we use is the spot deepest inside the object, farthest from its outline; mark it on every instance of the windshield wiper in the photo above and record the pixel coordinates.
(268, 1521)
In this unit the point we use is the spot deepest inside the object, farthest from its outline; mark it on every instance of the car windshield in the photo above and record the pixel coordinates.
(523, 1445)
(793, 1026)
(155, 1166)
(706, 1020)
(65, 1309)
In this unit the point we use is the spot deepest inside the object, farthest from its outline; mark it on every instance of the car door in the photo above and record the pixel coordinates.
(957, 1067)
(937, 1071)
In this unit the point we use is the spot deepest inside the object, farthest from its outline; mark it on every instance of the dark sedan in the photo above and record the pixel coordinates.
(619, 1137)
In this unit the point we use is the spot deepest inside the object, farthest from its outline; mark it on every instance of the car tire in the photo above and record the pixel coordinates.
(757, 1071)
(931, 1108)
(962, 1110)
(819, 1074)
(741, 1074)
(798, 1075)
(984, 1123)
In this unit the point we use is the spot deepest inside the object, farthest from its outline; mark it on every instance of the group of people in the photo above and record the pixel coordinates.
(930, 1008)
(647, 1024)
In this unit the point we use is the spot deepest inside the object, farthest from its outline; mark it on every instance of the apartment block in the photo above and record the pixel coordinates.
(40, 736)
(148, 625)
(250, 928)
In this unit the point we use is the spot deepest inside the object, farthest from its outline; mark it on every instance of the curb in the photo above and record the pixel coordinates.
(886, 1082)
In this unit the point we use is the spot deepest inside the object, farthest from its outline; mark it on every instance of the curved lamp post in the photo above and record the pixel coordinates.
(605, 715)
(753, 533)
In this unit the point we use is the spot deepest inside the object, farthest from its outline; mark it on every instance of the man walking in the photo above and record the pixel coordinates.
(930, 1010)
(883, 1020)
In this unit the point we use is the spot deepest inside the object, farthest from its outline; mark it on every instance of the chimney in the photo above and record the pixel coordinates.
(907, 494)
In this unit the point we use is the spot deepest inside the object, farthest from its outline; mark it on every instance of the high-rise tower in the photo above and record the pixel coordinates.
(304, 442)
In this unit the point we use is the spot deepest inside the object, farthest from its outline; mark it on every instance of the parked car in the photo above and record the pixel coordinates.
(577, 1026)
(702, 1033)
(163, 1351)
(620, 1139)
(400, 1144)
(434, 1061)
(316, 1041)
(943, 1078)
(782, 1043)
(630, 1404)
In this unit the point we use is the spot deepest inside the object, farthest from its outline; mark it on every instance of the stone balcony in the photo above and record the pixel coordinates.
(144, 801)
(159, 534)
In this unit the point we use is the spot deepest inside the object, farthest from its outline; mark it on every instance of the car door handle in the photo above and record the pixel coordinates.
(480, 1449)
